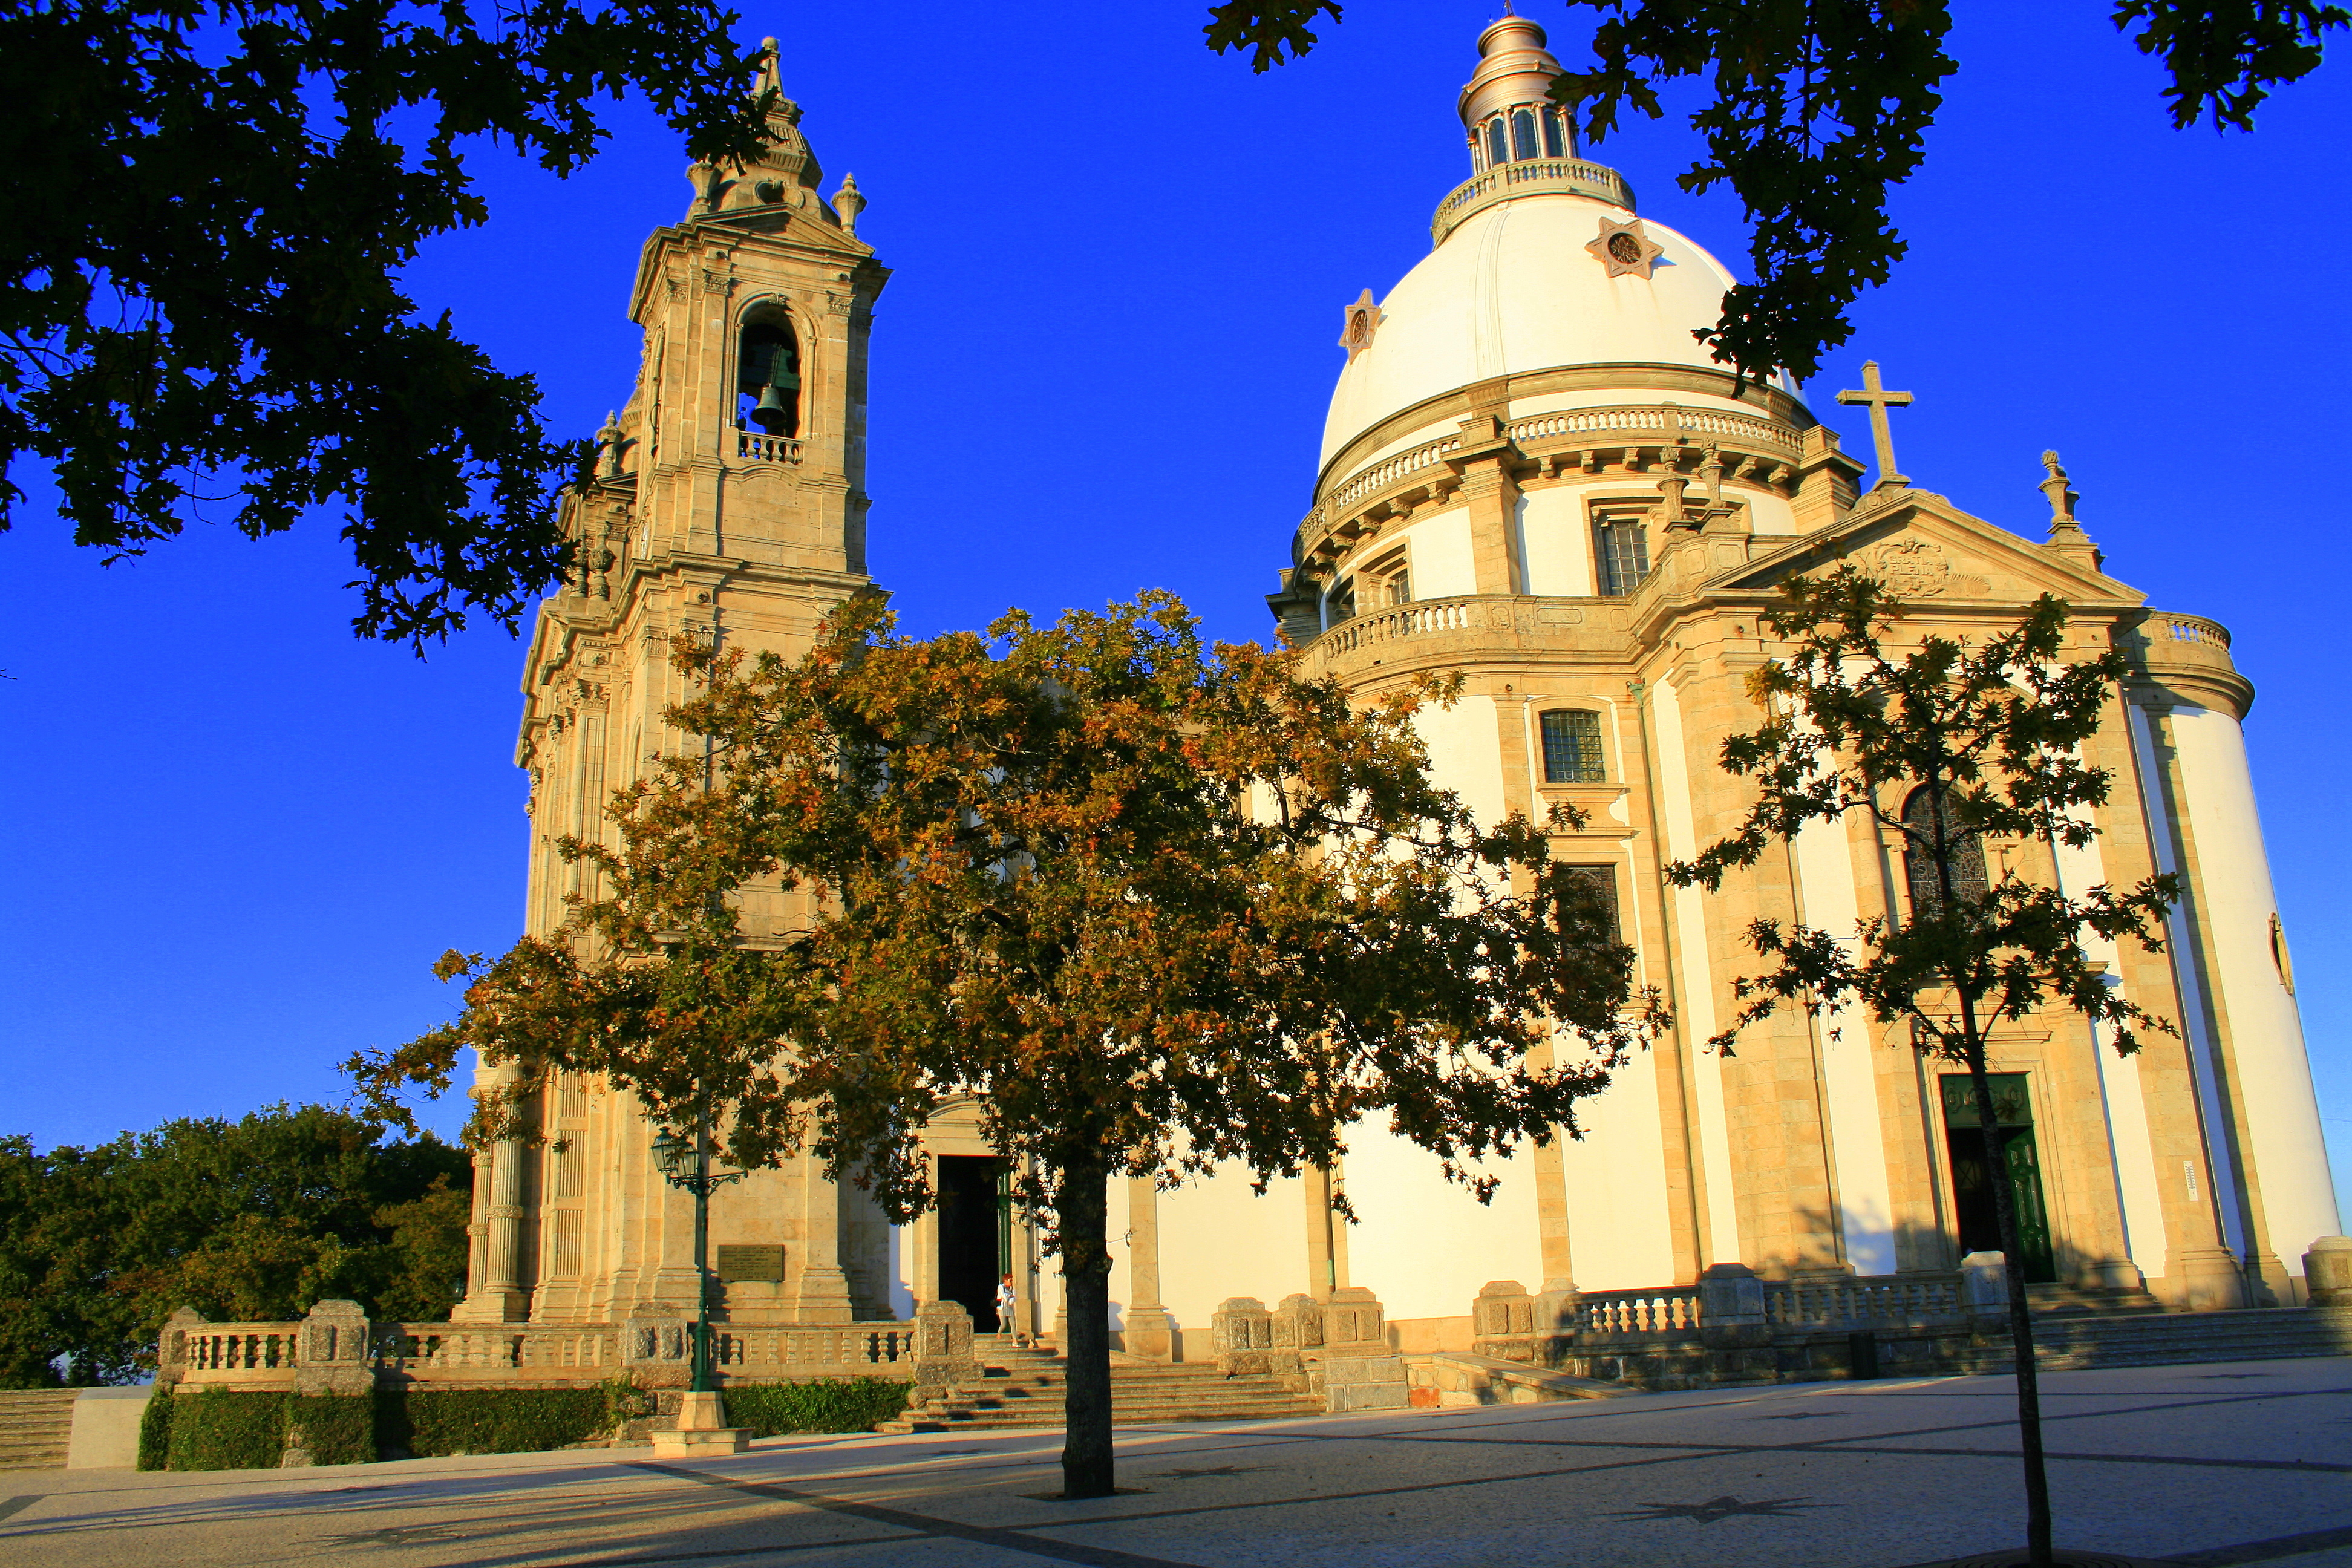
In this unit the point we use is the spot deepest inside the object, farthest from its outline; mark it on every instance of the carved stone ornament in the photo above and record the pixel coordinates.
(1912, 568)
(1362, 321)
(1626, 250)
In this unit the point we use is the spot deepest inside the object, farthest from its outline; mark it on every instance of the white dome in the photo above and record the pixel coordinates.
(1515, 289)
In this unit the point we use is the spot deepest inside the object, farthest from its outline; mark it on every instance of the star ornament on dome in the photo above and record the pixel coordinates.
(1362, 319)
(1626, 250)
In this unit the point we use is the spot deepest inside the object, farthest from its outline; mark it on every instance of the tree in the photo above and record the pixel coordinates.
(1153, 908)
(1953, 746)
(208, 205)
(1816, 107)
(256, 1219)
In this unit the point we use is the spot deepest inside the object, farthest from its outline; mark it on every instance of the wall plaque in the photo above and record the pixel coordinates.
(752, 1264)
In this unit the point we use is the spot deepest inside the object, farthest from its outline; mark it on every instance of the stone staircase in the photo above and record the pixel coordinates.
(2063, 1301)
(1025, 1388)
(2159, 1339)
(36, 1425)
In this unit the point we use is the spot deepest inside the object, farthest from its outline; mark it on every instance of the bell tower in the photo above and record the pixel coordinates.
(729, 501)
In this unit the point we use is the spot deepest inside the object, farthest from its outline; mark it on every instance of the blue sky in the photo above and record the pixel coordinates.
(237, 837)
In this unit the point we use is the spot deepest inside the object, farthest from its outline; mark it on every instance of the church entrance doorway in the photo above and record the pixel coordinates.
(975, 1229)
(1973, 1193)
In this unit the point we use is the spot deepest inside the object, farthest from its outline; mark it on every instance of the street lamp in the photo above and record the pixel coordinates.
(686, 1163)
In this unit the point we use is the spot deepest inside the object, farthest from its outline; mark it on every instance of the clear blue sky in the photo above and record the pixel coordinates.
(237, 837)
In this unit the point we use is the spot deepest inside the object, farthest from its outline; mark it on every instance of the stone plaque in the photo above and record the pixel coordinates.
(753, 1265)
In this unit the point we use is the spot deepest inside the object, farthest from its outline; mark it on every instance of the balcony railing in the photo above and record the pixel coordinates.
(1566, 176)
(753, 446)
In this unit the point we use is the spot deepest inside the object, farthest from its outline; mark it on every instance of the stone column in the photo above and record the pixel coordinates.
(822, 1294)
(495, 1292)
(1150, 1332)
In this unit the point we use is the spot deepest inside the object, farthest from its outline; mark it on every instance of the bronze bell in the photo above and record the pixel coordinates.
(772, 414)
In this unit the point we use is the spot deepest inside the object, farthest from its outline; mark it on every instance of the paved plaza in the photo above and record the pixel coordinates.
(2210, 1464)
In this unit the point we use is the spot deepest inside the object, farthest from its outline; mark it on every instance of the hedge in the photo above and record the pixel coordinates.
(236, 1429)
(826, 1404)
(435, 1423)
(155, 1431)
(227, 1430)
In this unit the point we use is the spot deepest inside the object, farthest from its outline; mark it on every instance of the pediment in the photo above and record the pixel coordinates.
(1927, 551)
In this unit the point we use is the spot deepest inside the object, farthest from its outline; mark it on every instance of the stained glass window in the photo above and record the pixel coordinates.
(1602, 880)
(1963, 849)
(1571, 747)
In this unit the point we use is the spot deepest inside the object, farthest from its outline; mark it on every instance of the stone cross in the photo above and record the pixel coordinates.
(1880, 399)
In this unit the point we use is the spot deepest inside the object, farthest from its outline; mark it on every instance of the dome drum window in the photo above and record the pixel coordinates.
(1520, 134)
(1571, 747)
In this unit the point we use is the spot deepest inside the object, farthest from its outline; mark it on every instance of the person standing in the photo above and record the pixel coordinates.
(1007, 1301)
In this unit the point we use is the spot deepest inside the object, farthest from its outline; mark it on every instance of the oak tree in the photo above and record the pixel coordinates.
(1954, 746)
(208, 209)
(1152, 908)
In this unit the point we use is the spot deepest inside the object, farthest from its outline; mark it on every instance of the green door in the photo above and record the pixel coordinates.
(1972, 1195)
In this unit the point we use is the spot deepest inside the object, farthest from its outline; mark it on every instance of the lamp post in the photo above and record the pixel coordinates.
(686, 1163)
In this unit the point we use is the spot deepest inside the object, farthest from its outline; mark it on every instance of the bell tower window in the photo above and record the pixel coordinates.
(768, 379)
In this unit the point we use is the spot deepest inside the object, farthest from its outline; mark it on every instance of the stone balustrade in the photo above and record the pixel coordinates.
(1763, 452)
(1643, 1314)
(754, 447)
(1572, 176)
(337, 1346)
(1861, 1303)
(1469, 626)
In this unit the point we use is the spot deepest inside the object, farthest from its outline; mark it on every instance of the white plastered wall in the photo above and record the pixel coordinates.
(1218, 1239)
(1554, 545)
(2274, 1071)
(1620, 1235)
(1425, 1244)
(1826, 874)
(2122, 1096)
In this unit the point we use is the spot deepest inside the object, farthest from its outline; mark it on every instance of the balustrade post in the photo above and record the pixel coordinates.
(2327, 1272)
(1241, 1336)
(943, 1354)
(1731, 1308)
(1984, 1291)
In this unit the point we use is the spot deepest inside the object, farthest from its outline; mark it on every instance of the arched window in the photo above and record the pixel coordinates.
(1523, 134)
(1571, 747)
(1963, 848)
(1498, 149)
(1555, 137)
(768, 379)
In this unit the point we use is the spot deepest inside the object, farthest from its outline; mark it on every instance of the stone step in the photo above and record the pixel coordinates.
(36, 1427)
(2249, 1335)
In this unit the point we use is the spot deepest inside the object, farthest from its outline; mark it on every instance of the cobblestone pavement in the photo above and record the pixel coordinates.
(2208, 1466)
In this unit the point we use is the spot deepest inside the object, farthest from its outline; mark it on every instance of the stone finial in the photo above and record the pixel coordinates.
(608, 442)
(849, 202)
(2062, 499)
(2066, 536)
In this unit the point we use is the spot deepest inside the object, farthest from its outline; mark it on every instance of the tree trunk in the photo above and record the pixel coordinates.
(1081, 1204)
(2021, 1316)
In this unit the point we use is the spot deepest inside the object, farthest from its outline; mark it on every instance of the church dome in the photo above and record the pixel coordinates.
(1538, 263)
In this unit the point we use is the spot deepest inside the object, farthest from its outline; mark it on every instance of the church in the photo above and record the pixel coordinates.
(1531, 475)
